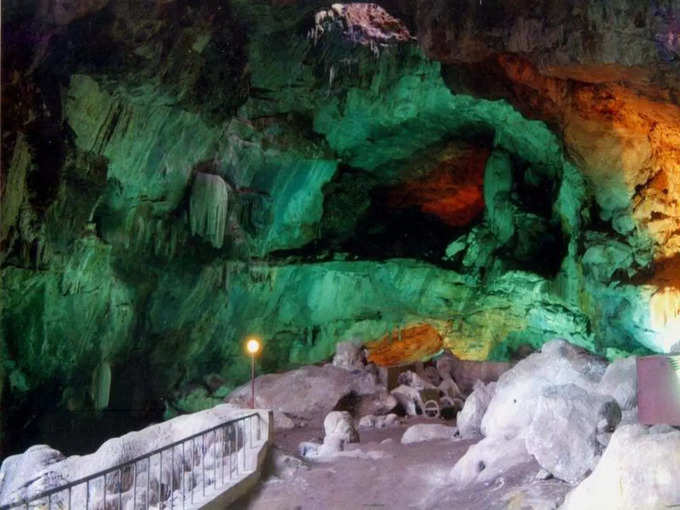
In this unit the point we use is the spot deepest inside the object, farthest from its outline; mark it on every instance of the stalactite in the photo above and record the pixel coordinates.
(208, 208)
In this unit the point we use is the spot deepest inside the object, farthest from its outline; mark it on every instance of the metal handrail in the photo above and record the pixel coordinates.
(119, 468)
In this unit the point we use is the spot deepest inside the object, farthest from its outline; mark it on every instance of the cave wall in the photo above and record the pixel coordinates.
(180, 176)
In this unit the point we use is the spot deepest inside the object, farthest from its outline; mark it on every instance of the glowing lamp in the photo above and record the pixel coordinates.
(253, 346)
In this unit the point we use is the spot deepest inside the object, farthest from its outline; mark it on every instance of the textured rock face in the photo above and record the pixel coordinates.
(556, 407)
(306, 393)
(639, 469)
(427, 432)
(469, 419)
(179, 177)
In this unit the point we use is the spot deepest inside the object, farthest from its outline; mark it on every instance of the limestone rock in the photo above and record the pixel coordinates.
(340, 424)
(466, 372)
(427, 432)
(620, 381)
(469, 419)
(378, 403)
(408, 397)
(306, 393)
(518, 391)
(284, 466)
(489, 459)
(563, 433)
(308, 449)
(18, 470)
(378, 422)
(639, 469)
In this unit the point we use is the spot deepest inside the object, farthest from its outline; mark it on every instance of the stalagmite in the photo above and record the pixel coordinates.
(208, 208)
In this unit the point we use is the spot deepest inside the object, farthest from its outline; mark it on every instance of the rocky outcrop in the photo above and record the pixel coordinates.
(181, 176)
(427, 432)
(639, 469)
(556, 407)
(469, 419)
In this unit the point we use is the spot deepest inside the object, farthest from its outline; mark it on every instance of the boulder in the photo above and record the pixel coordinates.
(427, 432)
(308, 449)
(518, 390)
(470, 417)
(284, 466)
(340, 424)
(408, 398)
(466, 372)
(620, 381)
(378, 422)
(308, 393)
(367, 422)
(489, 459)
(349, 355)
(18, 470)
(380, 402)
(639, 469)
(563, 435)
(282, 422)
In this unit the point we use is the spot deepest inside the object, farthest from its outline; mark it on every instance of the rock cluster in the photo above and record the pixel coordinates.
(555, 406)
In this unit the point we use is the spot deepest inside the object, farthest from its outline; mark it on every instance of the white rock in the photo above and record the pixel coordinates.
(308, 449)
(427, 432)
(380, 402)
(283, 422)
(306, 393)
(517, 392)
(17, 470)
(563, 434)
(340, 425)
(638, 469)
(620, 381)
(284, 466)
(408, 397)
(367, 422)
(490, 458)
(331, 445)
(469, 419)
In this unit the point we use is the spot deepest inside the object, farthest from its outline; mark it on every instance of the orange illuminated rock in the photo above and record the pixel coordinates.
(406, 346)
(452, 190)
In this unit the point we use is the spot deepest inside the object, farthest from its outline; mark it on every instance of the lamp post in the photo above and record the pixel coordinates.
(253, 346)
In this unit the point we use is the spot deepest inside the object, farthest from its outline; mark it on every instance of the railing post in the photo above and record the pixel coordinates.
(148, 481)
(87, 496)
(193, 462)
(134, 490)
(160, 481)
(203, 460)
(184, 459)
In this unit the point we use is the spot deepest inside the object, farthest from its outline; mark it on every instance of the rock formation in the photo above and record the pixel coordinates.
(179, 176)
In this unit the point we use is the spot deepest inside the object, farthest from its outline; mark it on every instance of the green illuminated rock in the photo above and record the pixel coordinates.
(183, 219)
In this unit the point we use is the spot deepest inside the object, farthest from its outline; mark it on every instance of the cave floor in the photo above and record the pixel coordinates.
(380, 472)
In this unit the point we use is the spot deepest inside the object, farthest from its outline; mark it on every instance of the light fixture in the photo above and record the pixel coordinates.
(253, 346)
